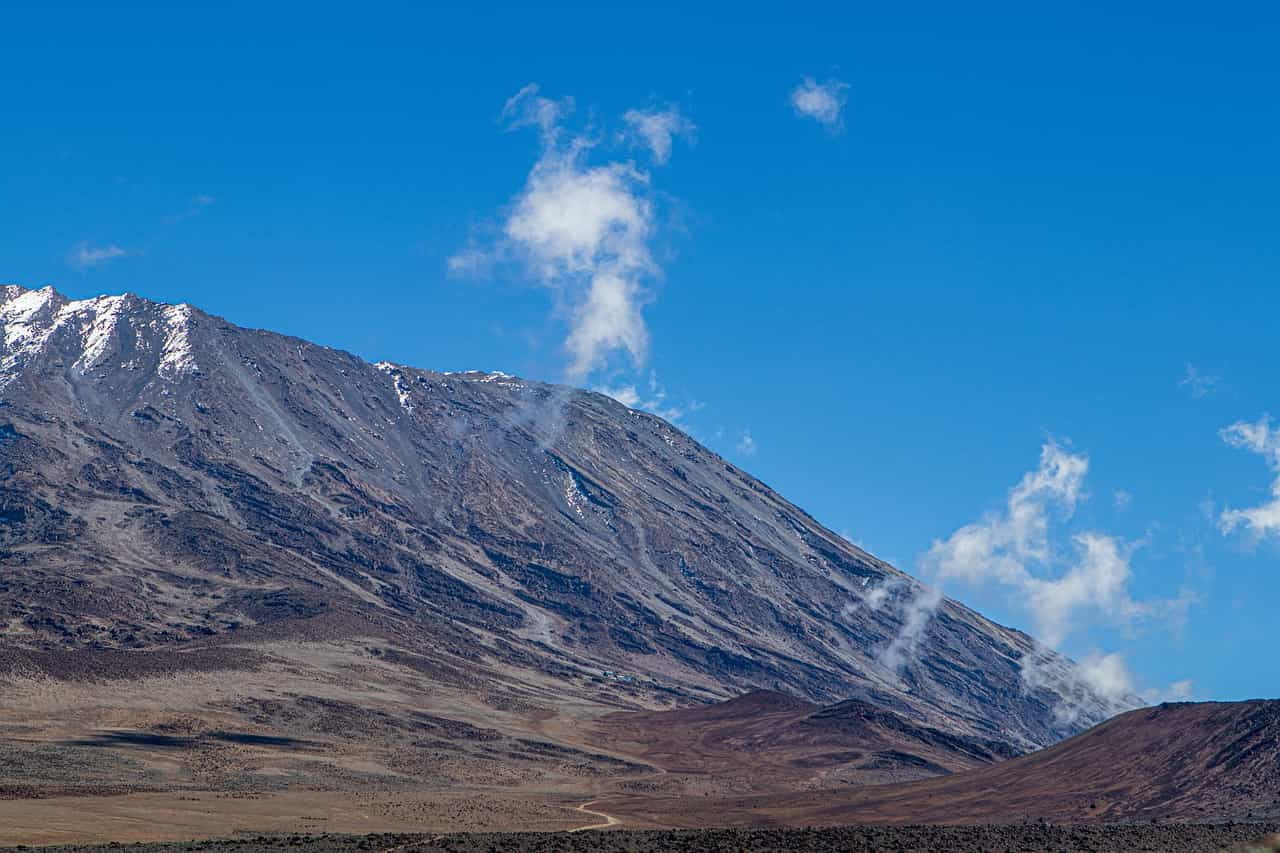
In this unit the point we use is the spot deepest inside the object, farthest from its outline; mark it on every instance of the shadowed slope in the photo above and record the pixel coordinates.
(771, 741)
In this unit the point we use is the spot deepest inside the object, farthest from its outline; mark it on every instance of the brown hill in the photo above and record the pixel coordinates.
(771, 741)
(1182, 762)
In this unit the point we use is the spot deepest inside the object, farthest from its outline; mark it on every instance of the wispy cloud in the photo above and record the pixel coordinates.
(195, 207)
(1178, 691)
(584, 231)
(627, 395)
(1262, 438)
(1198, 383)
(747, 444)
(1002, 545)
(1122, 499)
(1012, 548)
(656, 128)
(1109, 676)
(822, 102)
(916, 611)
(471, 261)
(653, 401)
(527, 108)
(1061, 589)
(85, 256)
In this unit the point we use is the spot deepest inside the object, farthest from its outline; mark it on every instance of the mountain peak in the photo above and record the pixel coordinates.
(86, 334)
(11, 291)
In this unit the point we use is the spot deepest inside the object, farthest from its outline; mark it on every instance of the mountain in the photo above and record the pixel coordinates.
(172, 485)
(1208, 761)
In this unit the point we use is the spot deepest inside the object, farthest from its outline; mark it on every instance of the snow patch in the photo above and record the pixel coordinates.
(27, 320)
(103, 314)
(20, 314)
(506, 380)
(177, 358)
(573, 496)
(397, 380)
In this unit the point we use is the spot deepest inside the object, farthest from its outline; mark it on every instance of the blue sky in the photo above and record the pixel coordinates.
(1022, 228)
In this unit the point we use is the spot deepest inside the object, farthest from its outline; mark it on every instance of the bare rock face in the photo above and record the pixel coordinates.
(167, 478)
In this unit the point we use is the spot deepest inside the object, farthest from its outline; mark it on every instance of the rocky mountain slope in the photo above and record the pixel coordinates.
(170, 481)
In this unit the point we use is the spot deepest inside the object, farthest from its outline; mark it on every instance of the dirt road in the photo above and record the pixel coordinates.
(585, 808)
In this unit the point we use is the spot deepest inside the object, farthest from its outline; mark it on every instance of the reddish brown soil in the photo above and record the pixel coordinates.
(771, 741)
(1173, 762)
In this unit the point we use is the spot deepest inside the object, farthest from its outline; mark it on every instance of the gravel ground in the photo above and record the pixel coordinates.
(1129, 838)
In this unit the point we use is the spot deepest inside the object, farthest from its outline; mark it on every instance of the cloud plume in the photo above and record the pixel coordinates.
(84, 256)
(1059, 588)
(1012, 549)
(584, 230)
(915, 613)
(654, 400)
(656, 128)
(1262, 438)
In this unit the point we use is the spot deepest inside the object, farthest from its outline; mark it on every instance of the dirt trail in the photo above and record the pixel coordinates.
(609, 820)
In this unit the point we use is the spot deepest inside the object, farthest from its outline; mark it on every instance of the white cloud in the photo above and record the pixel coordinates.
(584, 230)
(1198, 383)
(1178, 691)
(1107, 675)
(916, 614)
(654, 401)
(746, 444)
(1012, 548)
(1263, 439)
(1098, 579)
(877, 596)
(627, 395)
(1092, 690)
(1058, 588)
(1123, 499)
(527, 108)
(471, 261)
(84, 256)
(822, 102)
(655, 129)
(1002, 545)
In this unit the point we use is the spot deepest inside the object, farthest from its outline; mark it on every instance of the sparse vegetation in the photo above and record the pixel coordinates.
(1130, 838)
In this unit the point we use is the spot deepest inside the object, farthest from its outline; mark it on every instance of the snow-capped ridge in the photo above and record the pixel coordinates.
(124, 327)
(11, 291)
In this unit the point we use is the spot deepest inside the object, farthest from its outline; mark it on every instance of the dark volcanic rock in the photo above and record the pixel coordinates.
(1186, 838)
